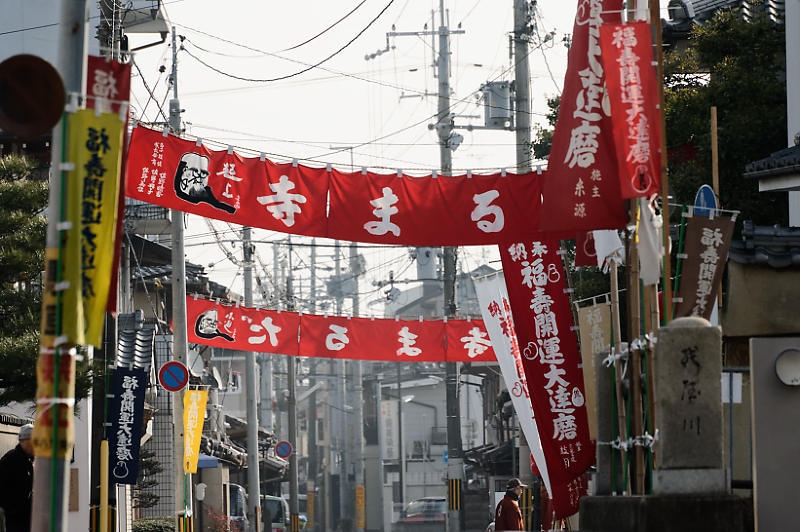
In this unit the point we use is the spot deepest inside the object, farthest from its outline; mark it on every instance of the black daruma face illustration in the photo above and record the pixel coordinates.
(206, 326)
(191, 182)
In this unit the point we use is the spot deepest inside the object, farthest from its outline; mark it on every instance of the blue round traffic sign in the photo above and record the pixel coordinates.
(705, 201)
(283, 449)
(173, 376)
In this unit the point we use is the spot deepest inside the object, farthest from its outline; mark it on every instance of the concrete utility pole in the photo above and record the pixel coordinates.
(455, 458)
(341, 390)
(358, 404)
(291, 370)
(179, 341)
(253, 483)
(311, 418)
(522, 120)
(51, 475)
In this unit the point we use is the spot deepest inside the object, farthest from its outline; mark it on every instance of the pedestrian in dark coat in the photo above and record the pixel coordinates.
(16, 482)
(507, 515)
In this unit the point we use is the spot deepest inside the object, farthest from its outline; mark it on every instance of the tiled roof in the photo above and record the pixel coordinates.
(786, 161)
(777, 247)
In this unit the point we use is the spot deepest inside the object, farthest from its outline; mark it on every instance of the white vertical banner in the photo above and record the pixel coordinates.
(496, 312)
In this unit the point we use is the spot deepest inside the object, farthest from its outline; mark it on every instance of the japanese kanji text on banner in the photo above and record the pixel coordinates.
(194, 411)
(633, 93)
(581, 189)
(536, 286)
(496, 312)
(272, 331)
(95, 147)
(361, 207)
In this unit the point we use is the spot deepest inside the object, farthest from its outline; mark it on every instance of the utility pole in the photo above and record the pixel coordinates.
(294, 507)
(253, 484)
(358, 406)
(311, 418)
(52, 472)
(341, 390)
(444, 127)
(522, 120)
(179, 341)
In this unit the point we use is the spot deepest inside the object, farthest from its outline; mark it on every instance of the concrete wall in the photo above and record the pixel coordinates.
(773, 292)
(776, 411)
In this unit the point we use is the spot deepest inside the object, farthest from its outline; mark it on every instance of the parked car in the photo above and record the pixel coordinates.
(274, 514)
(427, 514)
(238, 508)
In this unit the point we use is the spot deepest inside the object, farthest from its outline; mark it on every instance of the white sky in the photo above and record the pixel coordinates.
(374, 105)
(347, 102)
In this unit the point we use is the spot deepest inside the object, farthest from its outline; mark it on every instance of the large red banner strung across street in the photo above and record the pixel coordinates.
(633, 92)
(433, 210)
(534, 276)
(289, 333)
(581, 189)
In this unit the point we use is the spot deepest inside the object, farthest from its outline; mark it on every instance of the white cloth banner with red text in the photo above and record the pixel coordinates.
(496, 312)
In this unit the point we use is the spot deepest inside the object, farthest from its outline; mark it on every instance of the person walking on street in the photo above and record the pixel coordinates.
(507, 515)
(16, 482)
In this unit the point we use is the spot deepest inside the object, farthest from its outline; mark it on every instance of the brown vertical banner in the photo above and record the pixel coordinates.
(707, 243)
(594, 323)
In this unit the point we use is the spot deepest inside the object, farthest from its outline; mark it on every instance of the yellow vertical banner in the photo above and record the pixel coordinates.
(95, 153)
(361, 516)
(194, 409)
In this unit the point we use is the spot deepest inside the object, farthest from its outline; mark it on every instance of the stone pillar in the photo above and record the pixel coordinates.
(688, 409)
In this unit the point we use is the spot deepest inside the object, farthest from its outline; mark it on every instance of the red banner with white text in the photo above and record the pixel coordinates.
(108, 88)
(581, 190)
(633, 94)
(534, 276)
(289, 333)
(431, 210)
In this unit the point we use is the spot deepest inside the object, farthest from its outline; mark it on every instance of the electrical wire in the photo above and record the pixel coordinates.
(287, 76)
(325, 30)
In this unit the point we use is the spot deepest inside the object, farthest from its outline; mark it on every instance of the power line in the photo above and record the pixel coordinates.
(326, 29)
(287, 76)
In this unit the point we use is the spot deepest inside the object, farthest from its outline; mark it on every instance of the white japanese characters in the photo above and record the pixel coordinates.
(104, 84)
(265, 329)
(538, 270)
(126, 420)
(712, 239)
(476, 342)
(283, 205)
(384, 209)
(152, 178)
(337, 339)
(485, 208)
(591, 99)
(407, 341)
(637, 149)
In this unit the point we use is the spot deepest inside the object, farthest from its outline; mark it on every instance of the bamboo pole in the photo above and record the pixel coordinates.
(622, 431)
(635, 321)
(715, 178)
(655, 21)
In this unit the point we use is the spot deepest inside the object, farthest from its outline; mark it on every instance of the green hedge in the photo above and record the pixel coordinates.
(156, 524)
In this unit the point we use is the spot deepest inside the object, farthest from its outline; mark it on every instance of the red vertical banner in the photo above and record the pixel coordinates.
(585, 252)
(581, 190)
(108, 87)
(633, 94)
(537, 290)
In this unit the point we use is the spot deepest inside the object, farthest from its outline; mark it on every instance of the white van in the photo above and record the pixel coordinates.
(274, 514)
